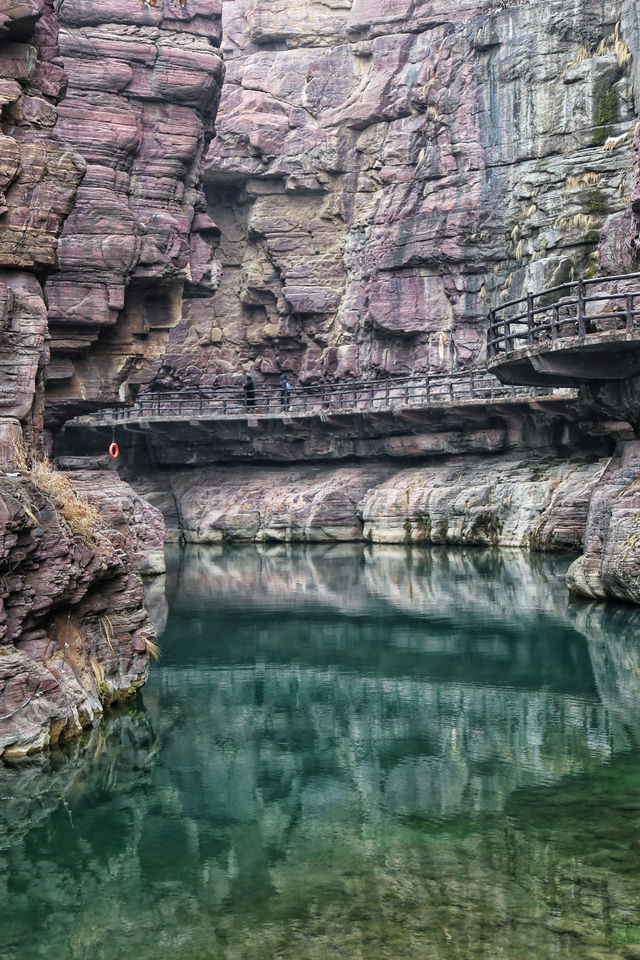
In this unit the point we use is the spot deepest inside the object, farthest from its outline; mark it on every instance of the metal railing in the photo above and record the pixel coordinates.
(364, 396)
(582, 308)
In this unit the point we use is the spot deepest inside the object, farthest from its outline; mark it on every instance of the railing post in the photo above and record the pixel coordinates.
(471, 384)
(508, 342)
(386, 393)
(200, 404)
(451, 390)
(428, 390)
(555, 317)
(581, 314)
(491, 334)
(529, 318)
(629, 310)
(354, 396)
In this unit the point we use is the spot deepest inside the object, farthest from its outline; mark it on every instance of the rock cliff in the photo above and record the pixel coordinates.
(39, 177)
(502, 501)
(381, 173)
(144, 86)
(74, 634)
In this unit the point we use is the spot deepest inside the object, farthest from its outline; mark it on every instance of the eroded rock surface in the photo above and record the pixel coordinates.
(74, 634)
(506, 501)
(39, 176)
(144, 85)
(610, 566)
(382, 172)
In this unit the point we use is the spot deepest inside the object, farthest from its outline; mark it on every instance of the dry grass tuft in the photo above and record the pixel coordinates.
(152, 648)
(587, 179)
(106, 629)
(81, 517)
(99, 674)
(579, 221)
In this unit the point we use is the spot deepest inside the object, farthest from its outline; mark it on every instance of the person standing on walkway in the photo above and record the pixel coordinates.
(285, 392)
(249, 393)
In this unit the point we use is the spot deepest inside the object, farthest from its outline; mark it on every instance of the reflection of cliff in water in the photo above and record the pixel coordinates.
(456, 606)
(356, 579)
(612, 631)
(34, 789)
(414, 656)
(354, 753)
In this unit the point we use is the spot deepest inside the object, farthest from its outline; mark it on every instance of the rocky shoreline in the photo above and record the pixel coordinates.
(74, 633)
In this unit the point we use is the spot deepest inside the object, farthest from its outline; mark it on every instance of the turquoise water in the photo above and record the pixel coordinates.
(346, 752)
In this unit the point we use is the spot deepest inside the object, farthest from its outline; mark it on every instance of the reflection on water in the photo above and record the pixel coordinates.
(346, 752)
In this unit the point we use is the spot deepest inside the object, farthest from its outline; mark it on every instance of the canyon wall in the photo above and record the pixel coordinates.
(74, 634)
(39, 175)
(144, 86)
(532, 502)
(382, 173)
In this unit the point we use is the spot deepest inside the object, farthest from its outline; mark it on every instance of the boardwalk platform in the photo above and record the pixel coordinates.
(324, 401)
(568, 335)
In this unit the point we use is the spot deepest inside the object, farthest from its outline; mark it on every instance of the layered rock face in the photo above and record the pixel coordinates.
(144, 86)
(74, 634)
(39, 176)
(610, 565)
(381, 173)
(500, 501)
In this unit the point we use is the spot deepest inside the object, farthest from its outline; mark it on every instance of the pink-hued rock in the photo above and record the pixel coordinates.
(500, 501)
(123, 510)
(144, 86)
(383, 172)
(73, 630)
(39, 176)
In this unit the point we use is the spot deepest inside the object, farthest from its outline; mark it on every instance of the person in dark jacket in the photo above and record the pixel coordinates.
(249, 393)
(285, 392)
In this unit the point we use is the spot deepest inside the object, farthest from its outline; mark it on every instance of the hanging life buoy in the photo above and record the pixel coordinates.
(114, 451)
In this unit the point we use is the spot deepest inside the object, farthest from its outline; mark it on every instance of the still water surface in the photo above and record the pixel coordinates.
(349, 753)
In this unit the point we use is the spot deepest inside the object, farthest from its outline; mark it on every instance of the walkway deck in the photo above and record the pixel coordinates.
(475, 387)
(567, 335)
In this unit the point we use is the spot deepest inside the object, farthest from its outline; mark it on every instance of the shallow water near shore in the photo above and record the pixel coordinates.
(346, 752)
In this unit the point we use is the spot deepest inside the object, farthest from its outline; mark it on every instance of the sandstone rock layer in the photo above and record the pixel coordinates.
(74, 634)
(383, 172)
(144, 85)
(502, 501)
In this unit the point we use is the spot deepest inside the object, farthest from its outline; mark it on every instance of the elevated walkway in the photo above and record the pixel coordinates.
(568, 335)
(324, 401)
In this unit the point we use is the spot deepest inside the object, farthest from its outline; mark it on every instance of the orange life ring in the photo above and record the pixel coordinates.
(114, 451)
